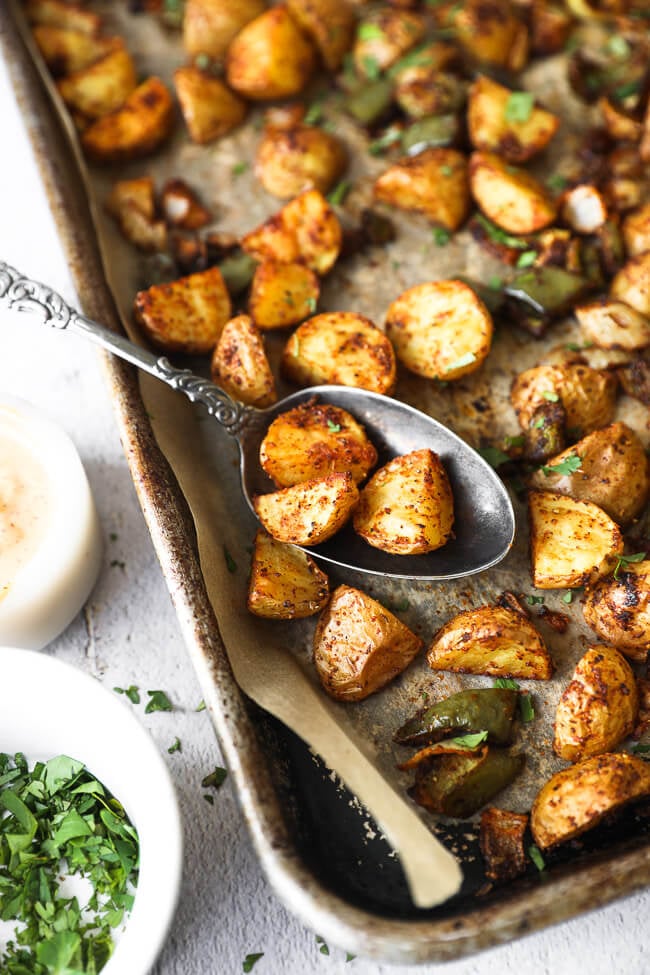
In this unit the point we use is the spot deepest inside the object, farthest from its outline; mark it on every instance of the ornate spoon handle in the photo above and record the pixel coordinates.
(24, 295)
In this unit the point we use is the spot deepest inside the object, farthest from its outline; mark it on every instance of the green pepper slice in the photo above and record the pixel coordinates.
(237, 271)
(368, 104)
(490, 709)
(430, 132)
(459, 783)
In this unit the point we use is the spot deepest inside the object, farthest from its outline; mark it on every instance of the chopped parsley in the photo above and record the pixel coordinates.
(392, 135)
(507, 683)
(495, 283)
(215, 779)
(132, 692)
(371, 67)
(469, 741)
(231, 565)
(625, 560)
(314, 113)
(333, 427)
(557, 182)
(500, 236)
(526, 709)
(441, 236)
(339, 193)
(175, 746)
(618, 47)
(251, 959)
(239, 168)
(493, 456)
(551, 396)
(639, 749)
(568, 596)
(535, 600)
(447, 170)
(370, 32)
(536, 857)
(324, 950)
(569, 465)
(519, 441)
(519, 106)
(158, 701)
(201, 706)
(527, 258)
(311, 304)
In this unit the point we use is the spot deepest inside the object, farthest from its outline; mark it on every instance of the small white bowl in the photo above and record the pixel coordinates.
(48, 708)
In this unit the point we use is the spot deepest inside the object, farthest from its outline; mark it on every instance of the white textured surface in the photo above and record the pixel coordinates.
(128, 635)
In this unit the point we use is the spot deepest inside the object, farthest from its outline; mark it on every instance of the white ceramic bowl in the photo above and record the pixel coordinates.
(49, 708)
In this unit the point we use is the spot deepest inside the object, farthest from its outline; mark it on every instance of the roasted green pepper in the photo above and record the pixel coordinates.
(538, 295)
(490, 709)
(368, 104)
(237, 271)
(431, 132)
(546, 435)
(457, 783)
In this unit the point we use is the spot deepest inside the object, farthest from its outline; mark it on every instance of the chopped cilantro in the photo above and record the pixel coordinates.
(469, 741)
(493, 456)
(527, 258)
(370, 32)
(519, 106)
(239, 168)
(536, 857)
(506, 682)
(333, 427)
(158, 701)
(215, 779)
(535, 600)
(465, 360)
(625, 560)
(441, 236)
(231, 565)
(251, 959)
(324, 950)
(569, 465)
(132, 692)
(175, 746)
(339, 193)
(500, 236)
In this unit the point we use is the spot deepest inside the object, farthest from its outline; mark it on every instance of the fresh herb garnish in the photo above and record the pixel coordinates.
(536, 857)
(239, 168)
(175, 746)
(493, 456)
(158, 701)
(568, 597)
(370, 32)
(349, 956)
(441, 236)
(500, 236)
(324, 950)
(625, 560)
(215, 779)
(618, 47)
(251, 959)
(640, 749)
(519, 106)
(465, 360)
(526, 709)
(132, 692)
(447, 170)
(519, 441)
(527, 259)
(392, 135)
(333, 427)
(569, 465)
(469, 741)
(231, 565)
(507, 683)
(557, 182)
(201, 706)
(624, 91)
(371, 67)
(314, 113)
(495, 283)
(535, 600)
(311, 304)
(551, 396)
(339, 193)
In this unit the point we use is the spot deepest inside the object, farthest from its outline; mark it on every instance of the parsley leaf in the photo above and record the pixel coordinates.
(231, 565)
(441, 236)
(536, 857)
(158, 701)
(625, 560)
(201, 706)
(370, 32)
(314, 113)
(339, 193)
(132, 692)
(215, 779)
(527, 258)
(239, 168)
(569, 465)
(535, 600)
(506, 682)
(250, 960)
(500, 236)
(519, 106)
(551, 396)
(175, 746)
(469, 741)
(333, 427)
(526, 709)
(324, 950)
(493, 456)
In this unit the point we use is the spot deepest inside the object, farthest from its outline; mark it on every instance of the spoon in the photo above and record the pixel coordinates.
(484, 521)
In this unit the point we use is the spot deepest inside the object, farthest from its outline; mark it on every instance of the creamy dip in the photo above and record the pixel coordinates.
(25, 508)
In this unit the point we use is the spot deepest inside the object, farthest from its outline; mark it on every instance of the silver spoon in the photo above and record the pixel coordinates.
(484, 520)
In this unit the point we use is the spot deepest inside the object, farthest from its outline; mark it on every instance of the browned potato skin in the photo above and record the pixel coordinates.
(407, 507)
(613, 473)
(572, 542)
(186, 315)
(598, 708)
(58, 13)
(341, 348)
(587, 395)
(282, 294)
(611, 324)
(304, 157)
(511, 198)
(434, 183)
(132, 203)
(182, 207)
(134, 130)
(310, 512)
(209, 107)
(359, 646)
(619, 610)
(66, 51)
(632, 283)
(210, 25)
(102, 87)
(491, 33)
(313, 440)
(270, 58)
(285, 583)
(636, 231)
(306, 230)
(398, 30)
(578, 797)
(620, 126)
(239, 364)
(490, 130)
(491, 640)
(502, 843)
(330, 25)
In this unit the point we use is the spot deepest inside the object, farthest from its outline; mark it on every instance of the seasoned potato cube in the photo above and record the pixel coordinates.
(491, 640)
(618, 609)
(187, 315)
(383, 38)
(302, 157)
(209, 107)
(632, 283)
(577, 798)
(636, 231)
(583, 208)
(282, 294)
(330, 25)
(310, 512)
(101, 88)
(359, 646)
(210, 25)
(422, 91)
(598, 708)
(131, 202)
(270, 58)
(571, 542)
(491, 33)
(341, 348)
(407, 507)
(313, 440)
(59, 13)
(66, 51)
(305, 230)
(611, 324)
(550, 26)
(239, 364)
(441, 329)
(620, 126)
(502, 843)
(285, 583)
(136, 129)
(434, 182)
(613, 472)
(587, 395)
(496, 126)
(182, 207)
(510, 197)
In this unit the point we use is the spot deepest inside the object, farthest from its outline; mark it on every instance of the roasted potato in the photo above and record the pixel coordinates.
(497, 123)
(182, 207)
(66, 51)
(209, 107)
(359, 646)
(599, 706)
(421, 91)
(612, 324)
(584, 209)
(587, 395)
(577, 798)
(100, 88)
(618, 609)
(132, 203)
(330, 25)
(285, 583)
(136, 129)
(341, 348)
(383, 38)
(210, 25)
(305, 230)
(501, 838)
(620, 126)
(282, 294)
(434, 183)
(550, 26)
(187, 315)
(239, 364)
(491, 33)
(301, 157)
(572, 542)
(407, 507)
(313, 440)
(441, 329)
(491, 640)
(270, 57)
(59, 13)
(310, 512)
(636, 231)
(613, 472)
(510, 197)
(632, 283)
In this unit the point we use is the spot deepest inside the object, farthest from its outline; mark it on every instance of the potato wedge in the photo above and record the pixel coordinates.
(134, 130)
(132, 203)
(59, 13)
(632, 283)
(584, 209)
(383, 38)
(421, 91)
(434, 183)
(491, 33)
(492, 126)
(240, 366)
(613, 472)
(636, 231)
(620, 126)
(285, 583)
(270, 57)
(182, 207)
(341, 348)
(187, 315)
(572, 542)
(308, 513)
(101, 88)
(359, 646)
(598, 708)
(209, 107)
(611, 324)
(587, 395)
(407, 507)
(305, 230)
(491, 640)
(313, 440)
(210, 25)
(577, 798)
(330, 25)
(618, 609)
(441, 329)
(282, 294)
(66, 51)
(301, 157)
(501, 839)
(510, 197)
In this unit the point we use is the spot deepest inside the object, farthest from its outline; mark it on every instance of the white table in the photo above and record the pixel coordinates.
(128, 634)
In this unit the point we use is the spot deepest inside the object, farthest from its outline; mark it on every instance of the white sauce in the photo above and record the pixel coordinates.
(25, 508)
